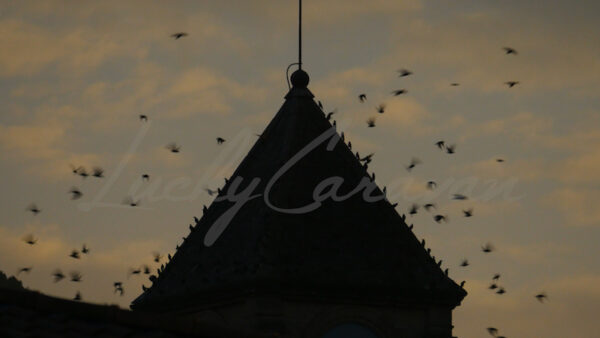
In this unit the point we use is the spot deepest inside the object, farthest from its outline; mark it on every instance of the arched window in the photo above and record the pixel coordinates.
(350, 330)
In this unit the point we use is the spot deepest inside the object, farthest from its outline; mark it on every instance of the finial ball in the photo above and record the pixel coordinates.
(299, 78)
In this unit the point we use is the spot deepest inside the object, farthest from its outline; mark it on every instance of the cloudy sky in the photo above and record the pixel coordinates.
(75, 75)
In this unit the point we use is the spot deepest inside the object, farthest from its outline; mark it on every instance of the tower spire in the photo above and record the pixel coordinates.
(299, 34)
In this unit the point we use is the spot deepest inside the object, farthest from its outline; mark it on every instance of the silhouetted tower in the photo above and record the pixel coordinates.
(351, 265)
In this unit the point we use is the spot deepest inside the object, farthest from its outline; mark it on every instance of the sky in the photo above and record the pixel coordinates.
(75, 76)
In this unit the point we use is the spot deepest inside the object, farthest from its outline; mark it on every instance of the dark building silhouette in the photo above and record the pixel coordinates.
(349, 268)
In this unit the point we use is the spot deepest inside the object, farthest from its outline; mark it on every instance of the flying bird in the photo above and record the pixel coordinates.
(82, 172)
(129, 201)
(29, 239)
(143, 118)
(399, 92)
(429, 206)
(98, 172)
(77, 296)
(487, 248)
(501, 291)
(146, 177)
(380, 108)
(85, 249)
(33, 209)
(75, 276)
(25, 269)
(440, 218)
(413, 209)
(320, 104)
(493, 331)
(459, 197)
(146, 269)
(440, 144)
(371, 122)
(75, 193)
(331, 114)
(511, 84)
(496, 276)
(455, 84)
(468, 212)
(157, 256)
(541, 296)
(220, 140)
(179, 35)
(362, 97)
(464, 263)
(413, 163)
(368, 158)
(404, 72)
(493, 286)
(58, 275)
(431, 185)
(509, 50)
(74, 254)
(173, 147)
(450, 149)
(499, 160)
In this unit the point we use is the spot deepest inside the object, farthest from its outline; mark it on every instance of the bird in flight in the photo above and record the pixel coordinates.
(459, 197)
(468, 212)
(179, 35)
(404, 72)
(330, 114)
(75, 193)
(501, 291)
(85, 249)
(496, 276)
(450, 149)
(74, 254)
(82, 172)
(493, 286)
(143, 118)
(413, 163)
(33, 209)
(499, 160)
(362, 97)
(541, 296)
(173, 147)
(77, 296)
(440, 218)
(509, 50)
(492, 331)
(368, 158)
(75, 276)
(431, 185)
(29, 239)
(371, 122)
(119, 288)
(464, 263)
(98, 172)
(58, 275)
(380, 108)
(487, 248)
(455, 84)
(220, 140)
(399, 92)
(429, 206)
(440, 144)
(129, 201)
(413, 209)
(25, 269)
(511, 84)
(146, 177)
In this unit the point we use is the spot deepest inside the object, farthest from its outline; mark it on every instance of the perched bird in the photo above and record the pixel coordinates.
(468, 212)
(371, 122)
(320, 104)
(75, 276)
(85, 249)
(58, 275)
(464, 263)
(74, 254)
(98, 172)
(75, 193)
(146, 177)
(399, 92)
(380, 108)
(25, 269)
(220, 140)
(413, 209)
(77, 296)
(431, 185)
(487, 248)
(450, 149)
(179, 35)
(511, 84)
(157, 256)
(129, 201)
(509, 50)
(143, 118)
(440, 218)
(173, 147)
(29, 239)
(429, 206)
(541, 296)
(404, 72)
(413, 163)
(33, 209)
(210, 191)
(440, 144)
(367, 158)
(362, 97)
(459, 197)
(462, 284)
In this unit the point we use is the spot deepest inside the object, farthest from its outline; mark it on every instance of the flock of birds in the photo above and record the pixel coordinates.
(98, 172)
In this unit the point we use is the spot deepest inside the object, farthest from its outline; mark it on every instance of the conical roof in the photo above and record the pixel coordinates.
(350, 248)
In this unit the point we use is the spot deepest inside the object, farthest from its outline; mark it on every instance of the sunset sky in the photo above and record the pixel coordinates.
(75, 75)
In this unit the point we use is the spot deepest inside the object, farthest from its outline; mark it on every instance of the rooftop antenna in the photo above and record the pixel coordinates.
(299, 63)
